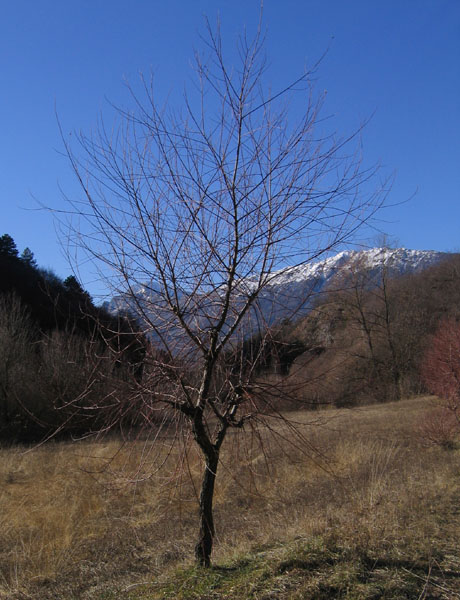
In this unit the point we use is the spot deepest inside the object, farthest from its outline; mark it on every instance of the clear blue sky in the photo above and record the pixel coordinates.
(396, 59)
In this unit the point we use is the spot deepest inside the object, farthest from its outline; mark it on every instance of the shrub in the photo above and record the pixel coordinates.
(441, 375)
(439, 427)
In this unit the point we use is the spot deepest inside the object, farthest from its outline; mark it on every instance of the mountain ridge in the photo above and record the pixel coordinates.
(291, 290)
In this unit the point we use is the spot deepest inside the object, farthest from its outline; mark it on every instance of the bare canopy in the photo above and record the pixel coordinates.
(204, 208)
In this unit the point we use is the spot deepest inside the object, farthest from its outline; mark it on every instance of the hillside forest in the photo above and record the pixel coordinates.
(69, 367)
(60, 354)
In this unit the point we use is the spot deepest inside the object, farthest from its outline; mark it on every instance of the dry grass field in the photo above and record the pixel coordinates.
(364, 510)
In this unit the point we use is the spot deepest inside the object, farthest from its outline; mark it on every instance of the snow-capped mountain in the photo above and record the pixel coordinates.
(290, 292)
(399, 261)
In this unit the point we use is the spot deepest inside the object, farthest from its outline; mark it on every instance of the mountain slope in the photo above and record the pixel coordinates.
(290, 291)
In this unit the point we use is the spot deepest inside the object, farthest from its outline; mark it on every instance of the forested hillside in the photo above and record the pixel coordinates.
(365, 339)
(60, 354)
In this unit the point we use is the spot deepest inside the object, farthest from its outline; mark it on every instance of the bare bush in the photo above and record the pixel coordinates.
(75, 375)
(18, 362)
(439, 427)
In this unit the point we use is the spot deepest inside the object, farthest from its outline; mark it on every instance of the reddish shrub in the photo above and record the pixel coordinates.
(441, 375)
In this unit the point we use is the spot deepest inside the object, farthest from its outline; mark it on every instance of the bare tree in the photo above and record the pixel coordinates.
(16, 355)
(369, 302)
(203, 210)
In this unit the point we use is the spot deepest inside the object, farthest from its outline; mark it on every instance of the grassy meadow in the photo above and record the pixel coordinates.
(357, 507)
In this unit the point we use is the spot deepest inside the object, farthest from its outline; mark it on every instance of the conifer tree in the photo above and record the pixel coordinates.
(75, 289)
(28, 258)
(8, 246)
(73, 286)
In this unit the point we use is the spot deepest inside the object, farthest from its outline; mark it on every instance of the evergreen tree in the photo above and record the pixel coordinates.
(27, 258)
(73, 286)
(8, 246)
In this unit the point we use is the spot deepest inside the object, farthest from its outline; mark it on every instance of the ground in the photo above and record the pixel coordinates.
(365, 510)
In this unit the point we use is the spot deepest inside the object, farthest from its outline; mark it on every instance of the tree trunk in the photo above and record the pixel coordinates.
(203, 548)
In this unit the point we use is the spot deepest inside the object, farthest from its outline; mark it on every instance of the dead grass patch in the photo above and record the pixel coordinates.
(81, 519)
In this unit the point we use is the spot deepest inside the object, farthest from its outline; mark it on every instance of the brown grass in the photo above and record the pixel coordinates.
(78, 519)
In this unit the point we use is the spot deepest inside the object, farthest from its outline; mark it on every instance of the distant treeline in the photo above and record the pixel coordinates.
(61, 357)
(366, 337)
